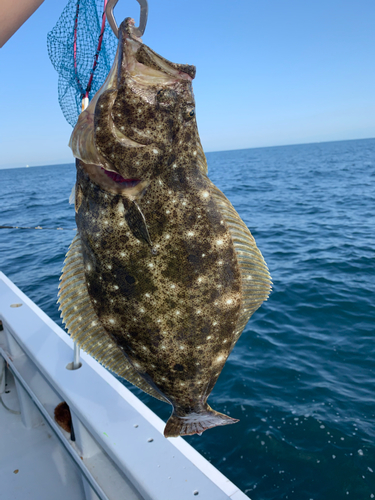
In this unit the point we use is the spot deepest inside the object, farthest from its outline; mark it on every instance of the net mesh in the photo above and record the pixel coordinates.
(73, 47)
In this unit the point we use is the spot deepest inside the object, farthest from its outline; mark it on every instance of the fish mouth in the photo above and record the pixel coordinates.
(125, 183)
(112, 182)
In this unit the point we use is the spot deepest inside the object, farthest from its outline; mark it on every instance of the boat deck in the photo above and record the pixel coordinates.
(119, 451)
(33, 464)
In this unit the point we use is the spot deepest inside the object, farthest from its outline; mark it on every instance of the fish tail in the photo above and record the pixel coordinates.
(195, 423)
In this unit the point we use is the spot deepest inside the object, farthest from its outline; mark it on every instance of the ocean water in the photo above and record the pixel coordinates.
(301, 379)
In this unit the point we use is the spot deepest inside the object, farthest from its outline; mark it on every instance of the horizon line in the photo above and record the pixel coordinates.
(12, 166)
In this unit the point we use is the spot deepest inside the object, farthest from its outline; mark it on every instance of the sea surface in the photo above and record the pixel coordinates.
(301, 379)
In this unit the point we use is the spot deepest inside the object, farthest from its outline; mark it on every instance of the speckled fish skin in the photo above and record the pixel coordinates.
(161, 264)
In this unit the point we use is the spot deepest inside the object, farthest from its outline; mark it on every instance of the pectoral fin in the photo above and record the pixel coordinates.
(137, 223)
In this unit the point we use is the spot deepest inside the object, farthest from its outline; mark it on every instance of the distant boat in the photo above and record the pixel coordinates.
(27, 166)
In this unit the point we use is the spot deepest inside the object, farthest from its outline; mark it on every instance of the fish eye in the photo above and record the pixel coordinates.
(190, 113)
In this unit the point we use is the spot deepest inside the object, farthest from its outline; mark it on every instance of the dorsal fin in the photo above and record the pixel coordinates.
(201, 157)
(83, 325)
(255, 278)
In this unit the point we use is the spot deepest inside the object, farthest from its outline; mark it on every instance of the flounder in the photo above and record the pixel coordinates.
(163, 275)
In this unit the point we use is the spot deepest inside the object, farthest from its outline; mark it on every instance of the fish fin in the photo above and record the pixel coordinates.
(72, 196)
(196, 423)
(84, 326)
(255, 277)
(137, 223)
(201, 157)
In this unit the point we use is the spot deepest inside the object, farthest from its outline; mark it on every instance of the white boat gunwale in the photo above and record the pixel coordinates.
(99, 401)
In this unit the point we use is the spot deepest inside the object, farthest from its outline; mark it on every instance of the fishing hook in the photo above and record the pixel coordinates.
(138, 31)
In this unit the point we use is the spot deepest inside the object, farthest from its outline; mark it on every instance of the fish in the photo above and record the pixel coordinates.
(162, 275)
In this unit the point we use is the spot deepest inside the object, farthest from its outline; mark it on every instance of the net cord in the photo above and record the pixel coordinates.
(85, 93)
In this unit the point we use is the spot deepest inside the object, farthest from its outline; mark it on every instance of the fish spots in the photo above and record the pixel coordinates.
(220, 358)
(184, 222)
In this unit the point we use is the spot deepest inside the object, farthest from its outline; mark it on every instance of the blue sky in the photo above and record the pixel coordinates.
(269, 72)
